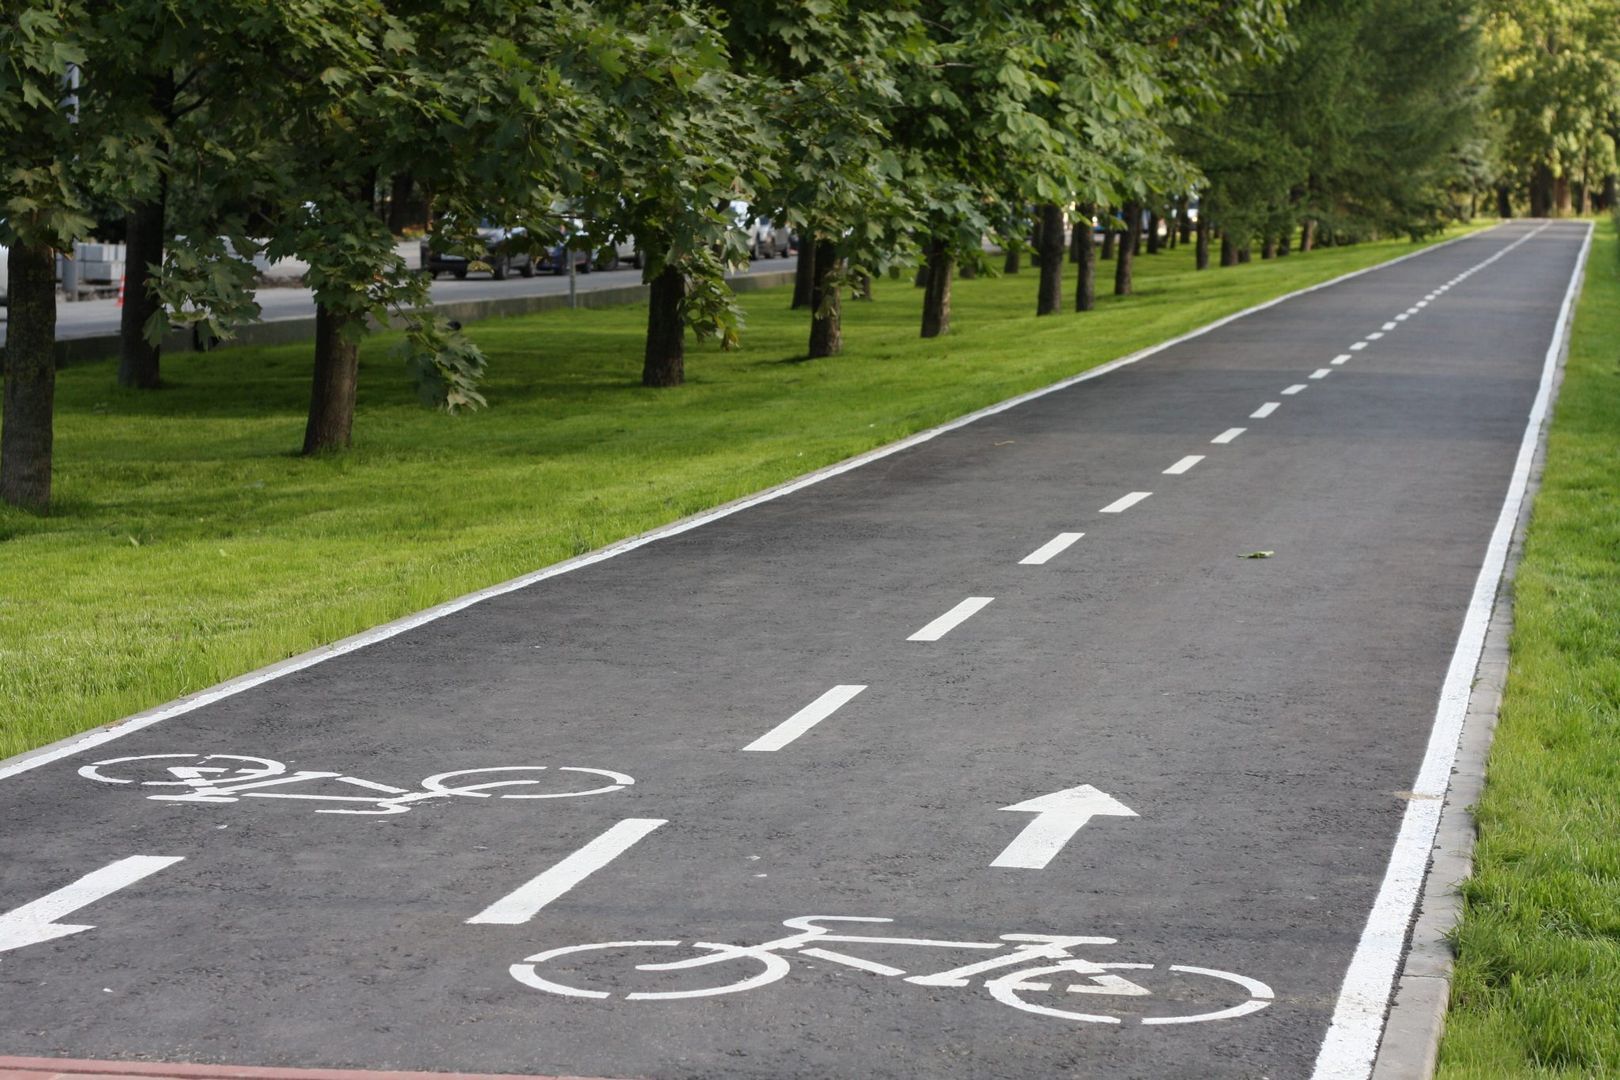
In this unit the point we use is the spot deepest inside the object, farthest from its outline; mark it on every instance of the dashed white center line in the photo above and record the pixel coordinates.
(1265, 410)
(525, 902)
(1341, 358)
(953, 618)
(1422, 304)
(1125, 502)
(1184, 464)
(1403, 316)
(1375, 335)
(1228, 435)
(1055, 546)
(1321, 373)
(1390, 325)
(1296, 388)
(1358, 346)
(805, 719)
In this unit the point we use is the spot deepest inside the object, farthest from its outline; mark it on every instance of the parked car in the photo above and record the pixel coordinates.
(505, 250)
(613, 256)
(579, 255)
(771, 240)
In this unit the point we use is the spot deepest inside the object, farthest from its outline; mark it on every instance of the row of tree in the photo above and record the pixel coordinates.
(888, 133)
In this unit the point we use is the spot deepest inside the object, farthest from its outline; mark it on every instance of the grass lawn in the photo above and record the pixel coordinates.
(1537, 988)
(188, 543)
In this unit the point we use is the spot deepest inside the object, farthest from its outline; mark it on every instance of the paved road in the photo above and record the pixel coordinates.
(1260, 718)
(97, 318)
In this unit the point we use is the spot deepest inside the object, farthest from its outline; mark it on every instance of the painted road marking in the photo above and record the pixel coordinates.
(1185, 463)
(1358, 346)
(1321, 373)
(1421, 304)
(35, 921)
(1053, 547)
(1390, 325)
(806, 718)
(1058, 816)
(525, 902)
(1375, 335)
(1228, 435)
(953, 618)
(1124, 502)
(1265, 410)
(1403, 316)
(1297, 388)
(1342, 358)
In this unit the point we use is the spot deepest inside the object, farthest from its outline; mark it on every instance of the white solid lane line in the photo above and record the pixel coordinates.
(953, 618)
(806, 718)
(524, 902)
(1296, 388)
(1053, 547)
(1358, 346)
(1228, 435)
(1265, 410)
(1390, 325)
(1185, 463)
(1124, 502)
(1321, 373)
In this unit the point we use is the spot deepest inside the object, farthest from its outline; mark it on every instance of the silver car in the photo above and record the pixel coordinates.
(771, 240)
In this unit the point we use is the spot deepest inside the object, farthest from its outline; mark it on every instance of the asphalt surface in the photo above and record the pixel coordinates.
(98, 318)
(1261, 718)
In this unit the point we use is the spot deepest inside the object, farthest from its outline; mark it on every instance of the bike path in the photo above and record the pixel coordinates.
(1261, 718)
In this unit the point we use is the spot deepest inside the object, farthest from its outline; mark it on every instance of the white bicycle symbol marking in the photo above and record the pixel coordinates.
(1026, 967)
(227, 778)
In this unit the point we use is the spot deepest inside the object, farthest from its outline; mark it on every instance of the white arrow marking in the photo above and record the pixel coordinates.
(36, 922)
(1058, 817)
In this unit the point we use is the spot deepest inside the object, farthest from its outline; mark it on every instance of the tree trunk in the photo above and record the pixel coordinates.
(1085, 289)
(967, 270)
(337, 373)
(1228, 250)
(1128, 247)
(1541, 184)
(30, 378)
(1268, 247)
(1609, 193)
(1053, 243)
(137, 357)
(1285, 241)
(1013, 262)
(1171, 228)
(1078, 236)
(1201, 249)
(1561, 200)
(1307, 234)
(1184, 207)
(405, 210)
(1154, 221)
(1583, 202)
(861, 287)
(1504, 202)
(1243, 252)
(663, 363)
(826, 314)
(804, 272)
(936, 315)
(1108, 238)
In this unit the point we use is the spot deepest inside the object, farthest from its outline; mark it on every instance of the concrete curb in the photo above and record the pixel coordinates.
(85, 350)
(1410, 1046)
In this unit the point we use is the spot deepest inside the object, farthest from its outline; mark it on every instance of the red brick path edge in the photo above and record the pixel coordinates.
(25, 1068)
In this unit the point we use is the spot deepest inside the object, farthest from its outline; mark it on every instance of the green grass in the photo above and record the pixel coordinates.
(188, 543)
(1537, 988)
